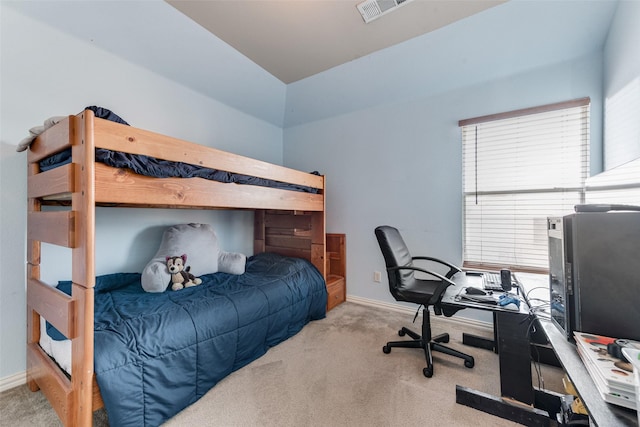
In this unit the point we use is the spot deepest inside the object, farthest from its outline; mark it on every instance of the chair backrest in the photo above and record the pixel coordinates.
(396, 254)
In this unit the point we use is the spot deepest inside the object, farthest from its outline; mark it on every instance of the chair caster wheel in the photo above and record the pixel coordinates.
(428, 372)
(401, 332)
(469, 363)
(386, 349)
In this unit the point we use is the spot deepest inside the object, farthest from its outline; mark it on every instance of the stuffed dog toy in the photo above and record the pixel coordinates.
(180, 276)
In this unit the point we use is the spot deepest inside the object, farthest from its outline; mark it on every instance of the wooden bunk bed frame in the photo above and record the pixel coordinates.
(287, 222)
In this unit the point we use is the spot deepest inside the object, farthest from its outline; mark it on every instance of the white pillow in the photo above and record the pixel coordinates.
(200, 244)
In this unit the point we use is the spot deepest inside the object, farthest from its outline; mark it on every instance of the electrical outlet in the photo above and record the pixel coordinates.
(377, 276)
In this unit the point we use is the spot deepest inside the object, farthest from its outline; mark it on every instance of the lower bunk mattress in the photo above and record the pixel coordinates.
(157, 353)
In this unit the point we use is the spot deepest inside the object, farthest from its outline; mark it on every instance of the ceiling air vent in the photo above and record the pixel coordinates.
(374, 9)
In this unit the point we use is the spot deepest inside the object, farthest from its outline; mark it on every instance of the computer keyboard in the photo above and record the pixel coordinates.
(491, 281)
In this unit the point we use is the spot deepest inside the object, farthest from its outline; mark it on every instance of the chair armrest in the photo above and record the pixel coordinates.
(453, 268)
(422, 270)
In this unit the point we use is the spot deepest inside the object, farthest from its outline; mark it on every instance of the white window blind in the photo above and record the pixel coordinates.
(518, 169)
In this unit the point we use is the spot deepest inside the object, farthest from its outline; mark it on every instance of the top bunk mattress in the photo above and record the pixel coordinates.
(159, 168)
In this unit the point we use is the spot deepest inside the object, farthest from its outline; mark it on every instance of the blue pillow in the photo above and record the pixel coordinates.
(105, 283)
(55, 334)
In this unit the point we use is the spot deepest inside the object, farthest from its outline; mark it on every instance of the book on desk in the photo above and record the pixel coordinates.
(612, 376)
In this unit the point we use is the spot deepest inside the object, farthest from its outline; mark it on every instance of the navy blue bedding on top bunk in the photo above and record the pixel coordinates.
(157, 353)
(158, 168)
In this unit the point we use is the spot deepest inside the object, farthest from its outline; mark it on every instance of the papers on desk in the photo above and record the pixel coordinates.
(613, 377)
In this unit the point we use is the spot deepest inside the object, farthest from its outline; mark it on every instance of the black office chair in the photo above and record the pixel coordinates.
(404, 286)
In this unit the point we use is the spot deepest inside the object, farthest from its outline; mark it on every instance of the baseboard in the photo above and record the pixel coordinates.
(412, 310)
(13, 381)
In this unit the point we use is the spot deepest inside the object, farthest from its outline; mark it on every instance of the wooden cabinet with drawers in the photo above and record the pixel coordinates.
(336, 270)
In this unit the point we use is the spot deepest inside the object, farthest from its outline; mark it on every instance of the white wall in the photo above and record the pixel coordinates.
(46, 71)
(622, 49)
(622, 66)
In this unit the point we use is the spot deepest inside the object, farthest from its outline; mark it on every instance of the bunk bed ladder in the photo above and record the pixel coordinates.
(72, 397)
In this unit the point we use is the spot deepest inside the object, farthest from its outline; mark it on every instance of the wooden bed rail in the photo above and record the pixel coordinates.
(51, 380)
(53, 140)
(55, 306)
(52, 227)
(53, 182)
(130, 189)
(118, 137)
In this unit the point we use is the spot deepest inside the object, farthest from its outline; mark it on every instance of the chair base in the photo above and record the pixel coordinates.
(428, 344)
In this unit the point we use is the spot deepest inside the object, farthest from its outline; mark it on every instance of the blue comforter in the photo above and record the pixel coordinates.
(155, 354)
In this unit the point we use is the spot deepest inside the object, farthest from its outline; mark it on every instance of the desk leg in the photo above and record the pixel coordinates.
(514, 356)
(482, 342)
(517, 396)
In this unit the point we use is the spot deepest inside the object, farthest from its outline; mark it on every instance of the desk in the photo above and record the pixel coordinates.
(519, 401)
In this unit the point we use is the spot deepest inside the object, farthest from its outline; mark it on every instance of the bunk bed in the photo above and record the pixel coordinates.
(287, 222)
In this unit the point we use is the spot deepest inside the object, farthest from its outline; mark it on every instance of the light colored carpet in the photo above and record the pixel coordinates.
(332, 373)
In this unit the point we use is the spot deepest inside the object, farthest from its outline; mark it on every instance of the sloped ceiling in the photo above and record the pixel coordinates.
(510, 37)
(295, 39)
